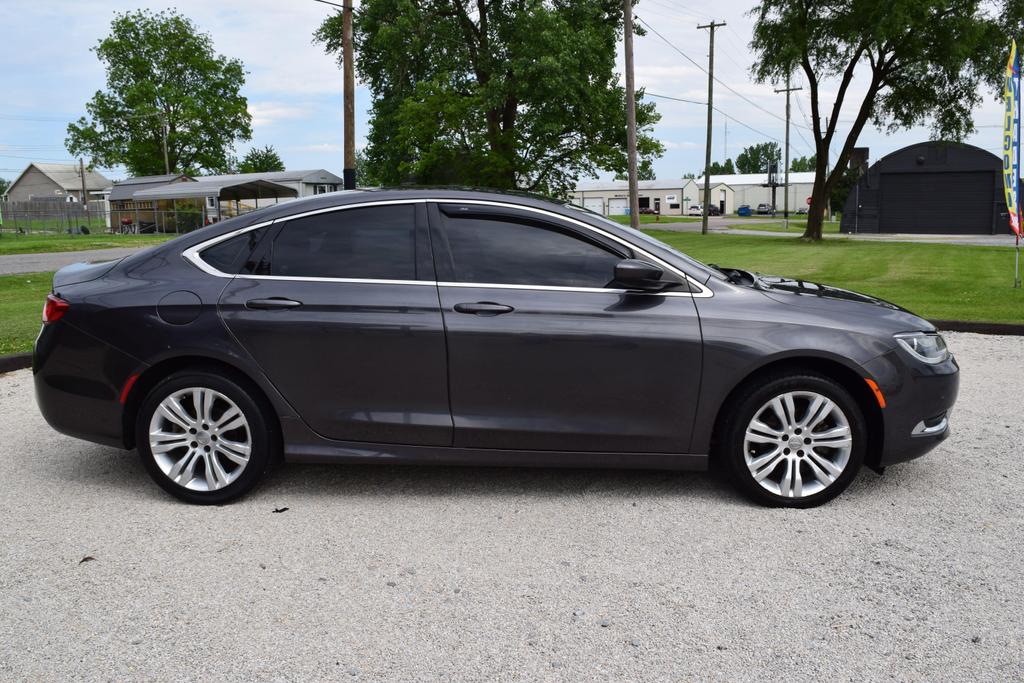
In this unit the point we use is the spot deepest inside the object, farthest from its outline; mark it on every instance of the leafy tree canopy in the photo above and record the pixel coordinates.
(261, 160)
(920, 61)
(365, 172)
(755, 159)
(4, 184)
(718, 168)
(162, 71)
(802, 164)
(644, 171)
(501, 93)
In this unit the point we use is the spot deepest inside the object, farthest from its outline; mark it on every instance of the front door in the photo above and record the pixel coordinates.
(543, 353)
(343, 317)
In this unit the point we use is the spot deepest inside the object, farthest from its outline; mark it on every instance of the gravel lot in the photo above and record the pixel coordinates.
(394, 574)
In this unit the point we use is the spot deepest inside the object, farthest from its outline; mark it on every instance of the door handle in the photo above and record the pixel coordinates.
(272, 303)
(485, 308)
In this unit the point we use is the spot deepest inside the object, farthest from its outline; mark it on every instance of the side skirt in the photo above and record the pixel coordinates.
(350, 452)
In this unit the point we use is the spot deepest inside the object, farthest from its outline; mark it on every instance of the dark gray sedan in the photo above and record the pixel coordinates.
(477, 328)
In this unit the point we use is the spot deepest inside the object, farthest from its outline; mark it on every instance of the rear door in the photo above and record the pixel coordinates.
(544, 354)
(341, 312)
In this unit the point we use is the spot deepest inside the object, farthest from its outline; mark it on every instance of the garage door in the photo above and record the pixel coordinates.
(946, 203)
(596, 205)
(617, 207)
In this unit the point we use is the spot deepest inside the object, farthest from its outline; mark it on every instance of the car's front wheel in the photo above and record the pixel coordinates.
(794, 441)
(203, 438)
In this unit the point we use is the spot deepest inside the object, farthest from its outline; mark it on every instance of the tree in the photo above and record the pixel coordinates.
(802, 164)
(4, 184)
(493, 92)
(644, 171)
(365, 172)
(161, 71)
(755, 159)
(722, 169)
(837, 198)
(919, 61)
(261, 160)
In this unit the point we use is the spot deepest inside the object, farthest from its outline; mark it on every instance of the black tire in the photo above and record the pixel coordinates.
(750, 401)
(261, 428)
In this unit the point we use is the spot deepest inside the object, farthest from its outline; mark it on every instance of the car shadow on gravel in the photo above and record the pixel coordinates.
(120, 470)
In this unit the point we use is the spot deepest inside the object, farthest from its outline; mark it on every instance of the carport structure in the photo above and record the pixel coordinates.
(221, 197)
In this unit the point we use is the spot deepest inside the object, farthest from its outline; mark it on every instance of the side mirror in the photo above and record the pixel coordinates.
(637, 274)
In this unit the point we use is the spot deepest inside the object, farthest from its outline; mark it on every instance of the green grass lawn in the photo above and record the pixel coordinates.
(12, 243)
(646, 218)
(936, 281)
(796, 225)
(21, 310)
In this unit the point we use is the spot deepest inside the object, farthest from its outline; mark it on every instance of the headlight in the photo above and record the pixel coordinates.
(927, 347)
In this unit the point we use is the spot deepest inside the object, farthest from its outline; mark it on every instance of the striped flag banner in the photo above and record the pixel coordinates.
(1011, 140)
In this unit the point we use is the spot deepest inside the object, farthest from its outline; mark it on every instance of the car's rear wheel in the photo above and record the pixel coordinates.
(203, 438)
(794, 441)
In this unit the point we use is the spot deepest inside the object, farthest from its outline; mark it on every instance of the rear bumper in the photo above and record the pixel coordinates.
(919, 400)
(78, 381)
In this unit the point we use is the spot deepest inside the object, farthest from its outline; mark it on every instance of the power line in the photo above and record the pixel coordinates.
(730, 118)
(718, 80)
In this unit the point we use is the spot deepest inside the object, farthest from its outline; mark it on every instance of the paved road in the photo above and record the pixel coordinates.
(44, 263)
(403, 574)
(728, 225)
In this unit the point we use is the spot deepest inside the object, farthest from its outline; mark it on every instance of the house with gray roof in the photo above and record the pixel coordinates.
(56, 181)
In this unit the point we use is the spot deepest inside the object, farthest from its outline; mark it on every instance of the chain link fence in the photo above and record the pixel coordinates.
(58, 217)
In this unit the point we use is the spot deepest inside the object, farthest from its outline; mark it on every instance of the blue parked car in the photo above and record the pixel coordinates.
(743, 210)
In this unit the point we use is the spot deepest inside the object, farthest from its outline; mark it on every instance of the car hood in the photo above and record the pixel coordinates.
(827, 300)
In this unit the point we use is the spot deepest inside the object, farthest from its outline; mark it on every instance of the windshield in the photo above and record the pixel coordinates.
(656, 244)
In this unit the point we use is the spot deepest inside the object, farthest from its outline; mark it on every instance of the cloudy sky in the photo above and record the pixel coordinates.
(294, 89)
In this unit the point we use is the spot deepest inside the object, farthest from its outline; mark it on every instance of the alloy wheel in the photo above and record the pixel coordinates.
(200, 439)
(797, 444)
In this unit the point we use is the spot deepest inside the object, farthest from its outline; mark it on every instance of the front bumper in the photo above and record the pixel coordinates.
(919, 399)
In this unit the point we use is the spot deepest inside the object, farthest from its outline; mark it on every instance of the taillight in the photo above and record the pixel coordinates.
(54, 309)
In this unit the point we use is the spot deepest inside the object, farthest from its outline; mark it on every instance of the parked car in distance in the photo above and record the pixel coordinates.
(744, 210)
(765, 210)
(801, 210)
(473, 328)
(698, 210)
(647, 211)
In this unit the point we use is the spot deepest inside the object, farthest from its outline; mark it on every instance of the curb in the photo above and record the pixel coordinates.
(18, 361)
(979, 328)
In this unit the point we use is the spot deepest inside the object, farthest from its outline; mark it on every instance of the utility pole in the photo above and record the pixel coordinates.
(167, 161)
(707, 148)
(349, 173)
(785, 194)
(348, 92)
(634, 199)
(85, 197)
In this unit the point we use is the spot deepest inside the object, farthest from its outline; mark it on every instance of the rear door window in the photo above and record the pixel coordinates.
(377, 242)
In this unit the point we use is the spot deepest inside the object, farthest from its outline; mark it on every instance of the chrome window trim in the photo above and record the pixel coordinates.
(698, 290)
(556, 288)
(351, 280)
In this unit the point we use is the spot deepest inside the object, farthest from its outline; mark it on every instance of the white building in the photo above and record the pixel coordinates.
(674, 196)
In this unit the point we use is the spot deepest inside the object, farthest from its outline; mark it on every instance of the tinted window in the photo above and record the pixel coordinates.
(375, 243)
(230, 256)
(510, 253)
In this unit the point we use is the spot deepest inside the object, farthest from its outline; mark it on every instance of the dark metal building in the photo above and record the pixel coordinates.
(929, 188)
